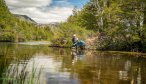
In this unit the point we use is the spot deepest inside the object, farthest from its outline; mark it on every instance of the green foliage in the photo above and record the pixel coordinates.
(14, 30)
(85, 18)
(65, 32)
(121, 23)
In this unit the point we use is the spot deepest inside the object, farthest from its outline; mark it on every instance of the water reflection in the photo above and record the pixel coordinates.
(22, 64)
(123, 74)
(77, 55)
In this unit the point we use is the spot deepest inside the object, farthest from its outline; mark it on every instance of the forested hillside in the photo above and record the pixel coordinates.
(13, 29)
(25, 18)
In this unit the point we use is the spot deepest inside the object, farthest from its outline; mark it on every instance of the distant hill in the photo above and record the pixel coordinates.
(24, 18)
(17, 28)
(50, 25)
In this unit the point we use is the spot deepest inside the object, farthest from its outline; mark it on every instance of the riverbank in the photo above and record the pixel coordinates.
(49, 44)
(35, 43)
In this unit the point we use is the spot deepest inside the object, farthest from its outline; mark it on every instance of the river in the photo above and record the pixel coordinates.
(40, 64)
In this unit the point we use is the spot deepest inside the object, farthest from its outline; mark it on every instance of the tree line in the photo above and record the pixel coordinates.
(119, 24)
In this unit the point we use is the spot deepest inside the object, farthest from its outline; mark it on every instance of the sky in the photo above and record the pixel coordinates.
(45, 11)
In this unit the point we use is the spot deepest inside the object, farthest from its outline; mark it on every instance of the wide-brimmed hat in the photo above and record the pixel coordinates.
(74, 35)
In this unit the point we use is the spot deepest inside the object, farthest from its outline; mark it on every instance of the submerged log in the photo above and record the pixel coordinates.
(57, 46)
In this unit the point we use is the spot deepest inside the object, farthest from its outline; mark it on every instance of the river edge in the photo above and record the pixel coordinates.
(49, 44)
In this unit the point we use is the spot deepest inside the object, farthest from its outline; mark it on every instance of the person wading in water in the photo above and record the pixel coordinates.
(77, 43)
(74, 40)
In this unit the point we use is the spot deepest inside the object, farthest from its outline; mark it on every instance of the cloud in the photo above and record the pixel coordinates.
(54, 14)
(42, 11)
(28, 3)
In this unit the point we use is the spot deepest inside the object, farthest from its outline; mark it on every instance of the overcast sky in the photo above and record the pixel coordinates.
(45, 11)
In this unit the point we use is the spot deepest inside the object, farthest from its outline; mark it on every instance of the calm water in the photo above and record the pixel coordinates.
(35, 64)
